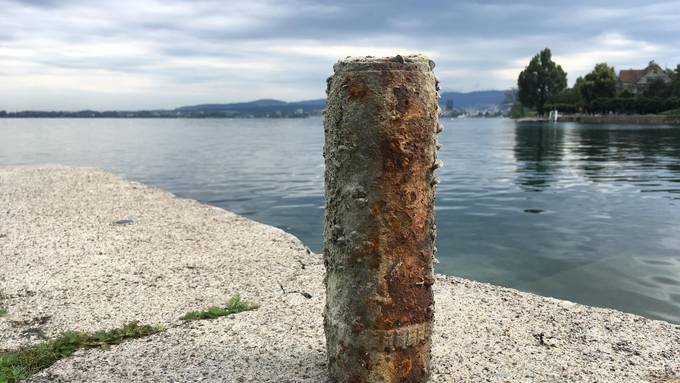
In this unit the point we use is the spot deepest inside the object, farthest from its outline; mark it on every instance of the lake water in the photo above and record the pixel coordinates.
(588, 213)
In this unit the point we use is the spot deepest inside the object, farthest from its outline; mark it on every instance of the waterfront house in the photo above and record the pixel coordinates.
(636, 81)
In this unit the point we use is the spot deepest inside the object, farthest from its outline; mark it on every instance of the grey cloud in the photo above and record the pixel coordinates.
(286, 49)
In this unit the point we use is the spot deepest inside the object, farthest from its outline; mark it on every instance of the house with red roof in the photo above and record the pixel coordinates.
(636, 81)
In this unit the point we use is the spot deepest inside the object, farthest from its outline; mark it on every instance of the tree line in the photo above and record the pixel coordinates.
(542, 86)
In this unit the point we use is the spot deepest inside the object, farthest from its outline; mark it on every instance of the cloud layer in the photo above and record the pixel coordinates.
(124, 54)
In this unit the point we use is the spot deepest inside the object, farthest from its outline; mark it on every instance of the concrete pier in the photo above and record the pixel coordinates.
(70, 260)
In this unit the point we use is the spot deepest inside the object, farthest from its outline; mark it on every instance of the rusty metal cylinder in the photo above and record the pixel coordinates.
(380, 156)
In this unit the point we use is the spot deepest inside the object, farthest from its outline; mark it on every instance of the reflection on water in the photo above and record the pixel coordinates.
(580, 212)
(538, 152)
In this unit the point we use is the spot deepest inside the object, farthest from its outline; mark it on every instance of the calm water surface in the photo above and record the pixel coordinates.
(589, 213)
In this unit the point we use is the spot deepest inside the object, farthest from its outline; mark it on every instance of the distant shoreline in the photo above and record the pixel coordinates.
(639, 119)
(490, 101)
(157, 117)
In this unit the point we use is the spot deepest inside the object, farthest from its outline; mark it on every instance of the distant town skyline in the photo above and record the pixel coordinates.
(148, 54)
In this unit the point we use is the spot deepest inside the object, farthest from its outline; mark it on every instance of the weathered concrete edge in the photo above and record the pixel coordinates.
(441, 279)
(484, 319)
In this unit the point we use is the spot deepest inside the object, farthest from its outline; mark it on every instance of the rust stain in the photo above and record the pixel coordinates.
(405, 367)
(407, 203)
(408, 366)
(357, 91)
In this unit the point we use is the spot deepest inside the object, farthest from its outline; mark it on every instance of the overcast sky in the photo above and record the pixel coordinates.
(135, 54)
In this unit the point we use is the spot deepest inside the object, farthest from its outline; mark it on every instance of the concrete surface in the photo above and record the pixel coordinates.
(65, 264)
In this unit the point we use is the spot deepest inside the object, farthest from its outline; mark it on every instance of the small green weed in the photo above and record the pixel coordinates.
(18, 365)
(3, 312)
(234, 306)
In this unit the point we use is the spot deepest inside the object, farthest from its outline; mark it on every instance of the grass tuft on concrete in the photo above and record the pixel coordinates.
(3, 312)
(18, 365)
(234, 306)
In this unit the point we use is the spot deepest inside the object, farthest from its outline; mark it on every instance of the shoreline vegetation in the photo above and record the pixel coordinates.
(650, 95)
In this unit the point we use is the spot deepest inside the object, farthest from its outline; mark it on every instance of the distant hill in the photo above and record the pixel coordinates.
(473, 103)
(477, 100)
(258, 107)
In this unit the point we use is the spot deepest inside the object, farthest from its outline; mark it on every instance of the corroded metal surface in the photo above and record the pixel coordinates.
(380, 153)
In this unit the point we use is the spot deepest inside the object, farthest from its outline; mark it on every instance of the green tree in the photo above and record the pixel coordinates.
(626, 94)
(675, 84)
(658, 88)
(540, 80)
(600, 83)
(578, 86)
(568, 96)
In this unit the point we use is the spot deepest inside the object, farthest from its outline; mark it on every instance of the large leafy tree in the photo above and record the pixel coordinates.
(658, 88)
(675, 84)
(600, 83)
(540, 80)
(570, 96)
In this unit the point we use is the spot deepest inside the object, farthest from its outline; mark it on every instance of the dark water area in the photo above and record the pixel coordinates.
(588, 213)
